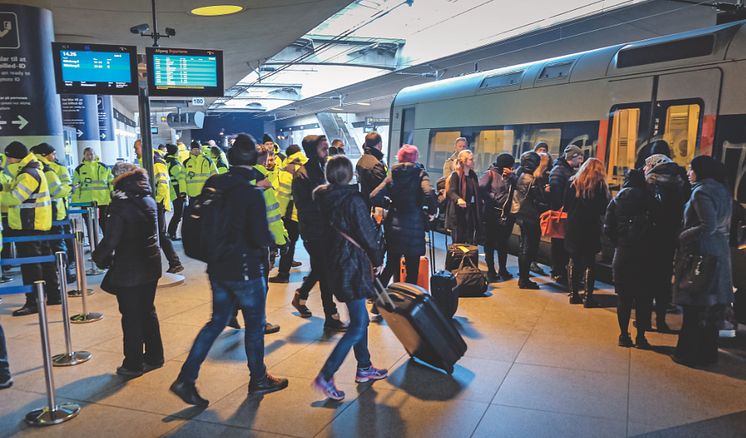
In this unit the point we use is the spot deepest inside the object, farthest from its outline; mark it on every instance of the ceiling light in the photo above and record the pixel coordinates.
(336, 108)
(364, 103)
(217, 10)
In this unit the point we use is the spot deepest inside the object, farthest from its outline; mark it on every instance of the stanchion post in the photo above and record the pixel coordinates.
(70, 357)
(92, 239)
(96, 224)
(86, 316)
(76, 226)
(54, 413)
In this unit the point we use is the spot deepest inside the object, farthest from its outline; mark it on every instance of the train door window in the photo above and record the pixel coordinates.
(488, 143)
(550, 136)
(441, 147)
(407, 126)
(680, 131)
(625, 126)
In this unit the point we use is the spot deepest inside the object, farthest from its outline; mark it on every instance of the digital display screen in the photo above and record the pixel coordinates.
(185, 72)
(95, 69)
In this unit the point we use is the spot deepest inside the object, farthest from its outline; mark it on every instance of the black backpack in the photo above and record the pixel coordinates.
(203, 231)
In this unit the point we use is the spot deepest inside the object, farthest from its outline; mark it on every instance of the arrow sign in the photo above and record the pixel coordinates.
(103, 135)
(21, 122)
(80, 133)
(2, 122)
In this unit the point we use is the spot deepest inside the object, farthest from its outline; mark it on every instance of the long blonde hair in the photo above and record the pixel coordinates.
(460, 160)
(590, 178)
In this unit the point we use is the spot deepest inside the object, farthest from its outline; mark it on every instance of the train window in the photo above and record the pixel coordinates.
(488, 143)
(504, 80)
(623, 145)
(407, 126)
(441, 147)
(550, 136)
(682, 125)
(669, 51)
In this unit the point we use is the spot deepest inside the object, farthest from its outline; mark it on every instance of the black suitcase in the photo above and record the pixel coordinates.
(442, 285)
(420, 326)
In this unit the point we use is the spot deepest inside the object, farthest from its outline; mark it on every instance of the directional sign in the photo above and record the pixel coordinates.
(20, 121)
(79, 133)
(198, 101)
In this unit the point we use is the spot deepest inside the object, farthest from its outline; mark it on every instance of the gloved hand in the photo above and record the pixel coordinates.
(182, 195)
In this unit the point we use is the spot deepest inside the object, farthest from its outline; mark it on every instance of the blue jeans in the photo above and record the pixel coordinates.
(250, 297)
(4, 364)
(355, 338)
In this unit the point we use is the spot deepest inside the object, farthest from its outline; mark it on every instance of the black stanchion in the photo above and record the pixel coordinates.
(70, 357)
(92, 238)
(76, 228)
(86, 316)
(53, 413)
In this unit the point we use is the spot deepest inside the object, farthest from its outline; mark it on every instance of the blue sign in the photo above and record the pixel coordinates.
(105, 119)
(80, 112)
(82, 66)
(185, 71)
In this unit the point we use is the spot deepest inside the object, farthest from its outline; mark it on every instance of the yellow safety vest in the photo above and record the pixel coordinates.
(59, 184)
(285, 185)
(92, 182)
(30, 206)
(274, 217)
(176, 176)
(198, 169)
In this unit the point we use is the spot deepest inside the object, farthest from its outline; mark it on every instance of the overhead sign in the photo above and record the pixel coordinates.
(9, 31)
(198, 101)
(184, 72)
(95, 69)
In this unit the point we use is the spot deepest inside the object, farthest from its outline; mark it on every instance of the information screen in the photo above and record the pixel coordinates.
(185, 72)
(95, 69)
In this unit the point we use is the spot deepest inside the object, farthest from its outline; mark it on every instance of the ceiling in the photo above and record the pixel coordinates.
(261, 30)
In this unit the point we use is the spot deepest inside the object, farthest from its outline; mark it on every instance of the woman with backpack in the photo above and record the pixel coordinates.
(496, 186)
(353, 250)
(586, 200)
(464, 204)
(412, 200)
(627, 225)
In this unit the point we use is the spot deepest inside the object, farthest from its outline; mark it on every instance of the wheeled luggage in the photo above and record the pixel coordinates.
(442, 285)
(420, 326)
(423, 275)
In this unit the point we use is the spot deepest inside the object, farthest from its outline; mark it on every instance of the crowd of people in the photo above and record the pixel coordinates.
(358, 234)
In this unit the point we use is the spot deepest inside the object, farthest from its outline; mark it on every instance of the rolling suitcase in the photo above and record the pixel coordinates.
(442, 285)
(423, 276)
(420, 326)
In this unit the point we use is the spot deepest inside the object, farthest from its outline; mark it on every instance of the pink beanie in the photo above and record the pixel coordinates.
(407, 154)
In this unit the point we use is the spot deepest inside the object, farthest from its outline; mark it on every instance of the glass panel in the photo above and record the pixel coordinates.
(623, 144)
(488, 144)
(407, 127)
(441, 147)
(550, 136)
(682, 124)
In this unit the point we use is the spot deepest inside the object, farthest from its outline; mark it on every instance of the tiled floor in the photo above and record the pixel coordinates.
(536, 366)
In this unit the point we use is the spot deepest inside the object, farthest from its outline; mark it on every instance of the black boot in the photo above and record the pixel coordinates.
(524, 282)
(589, 285)
(29, 308)
(575, 297)
(187, 392)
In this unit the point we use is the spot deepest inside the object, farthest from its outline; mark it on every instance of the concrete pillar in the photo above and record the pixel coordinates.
(29, 105)
(80, 112)
(109, 148)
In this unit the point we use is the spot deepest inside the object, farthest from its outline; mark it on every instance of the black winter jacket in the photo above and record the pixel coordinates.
(349, 268)
(495, 193)
(410, 191)
(307, 178)
(130, 245)
(371, 171)
(529, 199)
(246, 228)
(584, 220)
(627, 221)
(559, 178)
(469, 218)
(669, 186)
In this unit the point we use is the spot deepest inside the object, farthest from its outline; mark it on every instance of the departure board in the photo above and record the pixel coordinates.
(185, 72)
(95, 69)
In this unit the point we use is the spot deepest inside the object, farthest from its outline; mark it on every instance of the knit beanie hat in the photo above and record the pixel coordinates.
(172, 149)
(292, 149)
(408, 154)
(267, 138)
(43, 149)
(16, 150)
(504, 160)
(572, 152)
(655, 160)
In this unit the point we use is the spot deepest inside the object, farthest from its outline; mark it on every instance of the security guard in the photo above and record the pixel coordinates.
(163, 200)
(274, 217)
(92, 182)
(198, 168)
(218, 157)
(30, 213)
(177, 177)
(183, 153)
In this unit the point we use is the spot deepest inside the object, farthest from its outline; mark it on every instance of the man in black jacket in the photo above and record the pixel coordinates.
(236, 276)
(311, 225)
(371, 169)
(564, 168)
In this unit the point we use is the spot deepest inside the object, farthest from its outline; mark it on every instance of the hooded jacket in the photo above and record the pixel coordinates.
(130, 245)
(495, 191)
(308, 177)
(371, 171)
(559, 177)
(627, 220)
(529, 200)
(349, 268)
(668, 184)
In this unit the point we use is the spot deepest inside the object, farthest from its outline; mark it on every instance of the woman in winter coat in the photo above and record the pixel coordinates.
(412, 201)
(586, 200)
(463, 208)
(628, 227)
(706, 232)
(528, 202)
(496, 186)
(353, 250)
(129, 249)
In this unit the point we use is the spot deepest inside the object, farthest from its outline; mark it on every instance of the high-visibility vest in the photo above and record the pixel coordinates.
(274, 216)
(30, 206)
(183, 153)
(8, 174)
(285, 186)
(162, 181)
(221, 165)
(92, 182)
(176, 176)
(60, 186)
(198, 169)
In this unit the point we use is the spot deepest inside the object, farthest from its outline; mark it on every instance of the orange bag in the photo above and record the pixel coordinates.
(553, 223)
(423, 276)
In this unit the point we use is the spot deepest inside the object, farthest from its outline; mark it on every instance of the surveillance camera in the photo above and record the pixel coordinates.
(170, 31)
(140, 28)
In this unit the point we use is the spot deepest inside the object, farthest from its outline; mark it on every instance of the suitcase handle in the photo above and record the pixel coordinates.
(381, 292)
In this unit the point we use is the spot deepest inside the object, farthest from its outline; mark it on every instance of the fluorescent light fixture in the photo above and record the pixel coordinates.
(216, 10)
(363, 103)
(336, 108)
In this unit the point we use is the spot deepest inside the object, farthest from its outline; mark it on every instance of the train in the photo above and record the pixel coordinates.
(687, 89)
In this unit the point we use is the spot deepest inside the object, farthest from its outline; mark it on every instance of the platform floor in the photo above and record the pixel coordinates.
(536, 366)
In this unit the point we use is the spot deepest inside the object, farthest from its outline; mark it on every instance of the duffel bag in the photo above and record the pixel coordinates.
(457, 252)
(470, 281)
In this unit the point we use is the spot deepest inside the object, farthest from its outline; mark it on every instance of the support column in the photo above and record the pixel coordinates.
(29, 105)
(80, 112)
(109, 151)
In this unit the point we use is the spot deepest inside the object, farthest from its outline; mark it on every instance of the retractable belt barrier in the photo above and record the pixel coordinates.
(76, 211)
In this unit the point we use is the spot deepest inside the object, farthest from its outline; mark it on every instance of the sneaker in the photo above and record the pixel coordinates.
(625, 341)
(126, 372)
(364, 375)
(300, 306)
(270, 328)
(527, 284)
(175, 269)
(280, 278)
(187, 392)
(27, 309)
(328, 388)
(296, 264)
(7, 383)
(333, 323)
(269, 384)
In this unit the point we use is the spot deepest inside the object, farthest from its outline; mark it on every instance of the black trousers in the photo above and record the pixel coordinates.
(660, 277)
(393, 265)
(530, 237)
(582, 267)
(165, 242)
(178, 212)
(631, 284)
(37, 271)
(317, 254)
(698, 340)
(496, 240)
(560, 258)
(286, 260)
(140, 327)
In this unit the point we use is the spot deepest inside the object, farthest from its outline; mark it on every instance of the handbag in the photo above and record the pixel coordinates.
(553, 223)
(693, 272)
